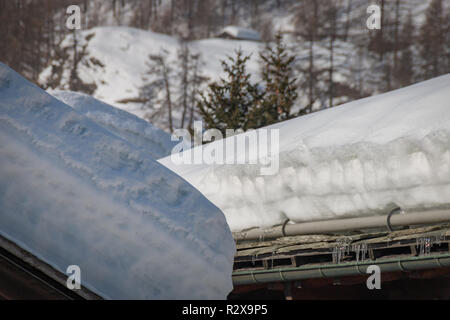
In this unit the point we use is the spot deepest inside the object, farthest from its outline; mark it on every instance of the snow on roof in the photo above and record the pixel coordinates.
(241, 33)
(74, 193)
(126, 125)
(351, 160)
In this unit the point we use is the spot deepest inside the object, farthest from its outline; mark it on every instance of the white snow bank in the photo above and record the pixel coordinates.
(351, 160)
(73, 193)
(123, 124)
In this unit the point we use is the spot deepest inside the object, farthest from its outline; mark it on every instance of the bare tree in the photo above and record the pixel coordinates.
(29, 33)
(432, 40)
(332, 12)
(189, 79)
(396, 27)
(197, 80)
(171, 90)
(347, 19)
(183, 58)
(159, 68)
(308, 19)
(404, 72)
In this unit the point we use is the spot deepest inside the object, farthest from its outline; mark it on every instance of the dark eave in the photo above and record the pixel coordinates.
(333, 256)
(24, 276)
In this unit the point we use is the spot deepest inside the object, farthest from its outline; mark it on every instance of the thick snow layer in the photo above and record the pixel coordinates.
(351, 160)
(123, 124)
(73, 193)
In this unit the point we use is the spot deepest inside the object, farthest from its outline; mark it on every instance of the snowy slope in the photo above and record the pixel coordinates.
(116, 55)
(135, 130)
(73, 193)
(351, 160)
(116, 63)
(123, 53)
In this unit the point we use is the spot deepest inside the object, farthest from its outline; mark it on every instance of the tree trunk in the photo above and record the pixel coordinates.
(397, 18)
(169, 102)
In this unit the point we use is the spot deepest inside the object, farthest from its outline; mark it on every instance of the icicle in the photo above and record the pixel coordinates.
(341, 248)
(425, 244)
(360, 250)
(253, 259)
(364, 251)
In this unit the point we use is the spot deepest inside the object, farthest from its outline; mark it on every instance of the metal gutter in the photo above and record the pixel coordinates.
(339, 225)
(340, 270)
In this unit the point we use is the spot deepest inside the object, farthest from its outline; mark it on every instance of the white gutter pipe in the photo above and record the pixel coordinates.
(338, 225)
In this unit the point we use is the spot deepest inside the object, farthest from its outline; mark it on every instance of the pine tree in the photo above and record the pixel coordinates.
(231, 103)
(280, 87)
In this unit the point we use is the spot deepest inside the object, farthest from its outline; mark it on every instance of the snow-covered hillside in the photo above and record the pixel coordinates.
(74, 193)
(115, 56)
(120, 56)
(135, 130)
(352, 160)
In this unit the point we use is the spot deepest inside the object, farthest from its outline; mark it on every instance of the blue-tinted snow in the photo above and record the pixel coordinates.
(72, 192)
(126, 125)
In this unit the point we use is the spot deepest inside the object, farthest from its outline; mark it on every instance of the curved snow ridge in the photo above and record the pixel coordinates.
(126, 125)
(351, 160)
(72, 192)
(334, 182)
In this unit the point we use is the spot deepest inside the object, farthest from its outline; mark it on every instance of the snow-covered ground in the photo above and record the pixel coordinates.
(74, 193)
(352, 160)
(123, 124)
(123, 53)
